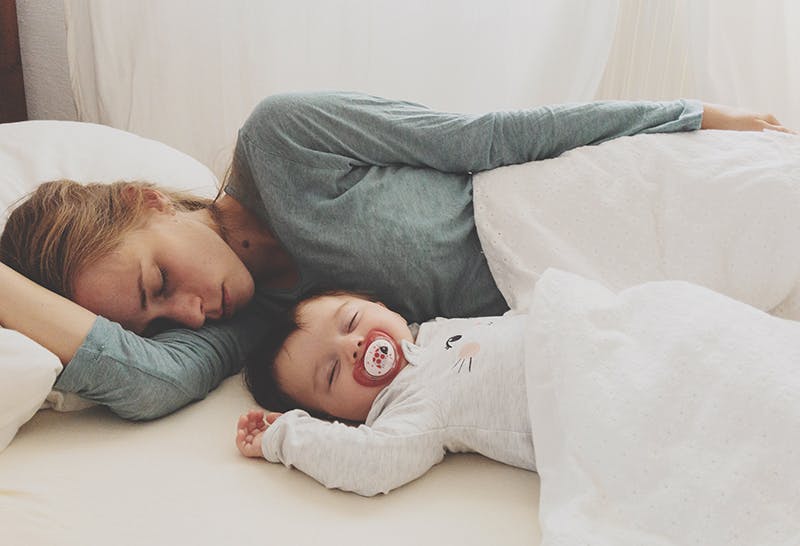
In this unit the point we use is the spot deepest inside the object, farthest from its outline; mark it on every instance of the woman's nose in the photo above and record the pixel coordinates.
(186, 309)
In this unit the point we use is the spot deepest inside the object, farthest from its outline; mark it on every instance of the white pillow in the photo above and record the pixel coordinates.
(27, 372)
(32, 152)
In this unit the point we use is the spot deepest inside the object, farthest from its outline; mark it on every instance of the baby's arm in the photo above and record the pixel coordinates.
(365, 460)
(250, 429)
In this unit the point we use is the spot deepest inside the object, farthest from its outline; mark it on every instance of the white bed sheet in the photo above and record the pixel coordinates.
(89, 478)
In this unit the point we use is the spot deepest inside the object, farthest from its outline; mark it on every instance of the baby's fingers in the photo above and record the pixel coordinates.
(249, 445)
(256, 415)
(255, 420)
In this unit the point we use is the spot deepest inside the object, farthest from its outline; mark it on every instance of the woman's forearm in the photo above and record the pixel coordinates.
(51, 320)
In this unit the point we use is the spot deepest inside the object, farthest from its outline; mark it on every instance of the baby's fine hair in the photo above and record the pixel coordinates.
(259, 368)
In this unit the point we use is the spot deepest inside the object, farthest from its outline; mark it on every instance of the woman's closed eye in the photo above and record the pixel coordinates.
(332, 373)
(163, 288)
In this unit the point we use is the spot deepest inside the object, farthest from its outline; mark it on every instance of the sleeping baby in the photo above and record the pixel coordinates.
(404, 401)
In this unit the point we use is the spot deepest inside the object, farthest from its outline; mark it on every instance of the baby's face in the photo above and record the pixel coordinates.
(315, 366)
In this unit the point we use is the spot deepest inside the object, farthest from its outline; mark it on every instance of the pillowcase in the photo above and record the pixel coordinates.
(32, 152)
(27, 373)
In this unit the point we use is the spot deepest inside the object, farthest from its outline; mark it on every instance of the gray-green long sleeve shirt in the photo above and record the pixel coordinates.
(364, 193)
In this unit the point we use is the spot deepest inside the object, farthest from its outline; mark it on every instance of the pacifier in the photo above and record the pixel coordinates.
(380, 361)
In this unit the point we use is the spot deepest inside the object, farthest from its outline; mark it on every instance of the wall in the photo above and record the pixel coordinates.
(12, 93)
(43, 46)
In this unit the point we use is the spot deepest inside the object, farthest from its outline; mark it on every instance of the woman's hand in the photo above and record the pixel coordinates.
(249, 430)
(718, 116)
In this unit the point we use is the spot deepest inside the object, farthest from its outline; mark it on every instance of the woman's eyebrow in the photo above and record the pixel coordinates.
(142, 291)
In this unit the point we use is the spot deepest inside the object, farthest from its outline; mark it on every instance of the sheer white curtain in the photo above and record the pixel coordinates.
(187, 72)
(739, 52)
(747, 53)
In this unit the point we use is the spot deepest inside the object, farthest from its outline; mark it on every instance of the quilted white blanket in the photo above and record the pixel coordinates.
(718, 208)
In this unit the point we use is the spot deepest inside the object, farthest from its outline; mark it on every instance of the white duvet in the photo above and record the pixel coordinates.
(663, 413)
(718, 208)
(666, 414)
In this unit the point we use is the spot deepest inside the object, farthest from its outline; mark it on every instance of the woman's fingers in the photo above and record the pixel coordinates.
(780, 128)
(718, 116)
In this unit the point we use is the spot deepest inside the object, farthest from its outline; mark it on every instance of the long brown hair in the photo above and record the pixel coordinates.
(63, 226)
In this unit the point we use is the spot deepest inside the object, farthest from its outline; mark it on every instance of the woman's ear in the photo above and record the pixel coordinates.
(151, 198)
(155, 200)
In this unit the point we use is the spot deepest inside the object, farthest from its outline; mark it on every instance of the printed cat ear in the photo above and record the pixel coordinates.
(412, 352)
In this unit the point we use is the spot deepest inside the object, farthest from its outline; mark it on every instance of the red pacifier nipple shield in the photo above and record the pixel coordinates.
(380, 361)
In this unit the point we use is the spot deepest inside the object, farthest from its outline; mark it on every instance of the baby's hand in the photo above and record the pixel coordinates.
(250, 429)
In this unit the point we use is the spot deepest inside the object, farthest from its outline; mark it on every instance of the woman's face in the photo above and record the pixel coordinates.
(175, 269)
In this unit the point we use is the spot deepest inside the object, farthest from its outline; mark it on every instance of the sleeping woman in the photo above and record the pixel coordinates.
(151, 298)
